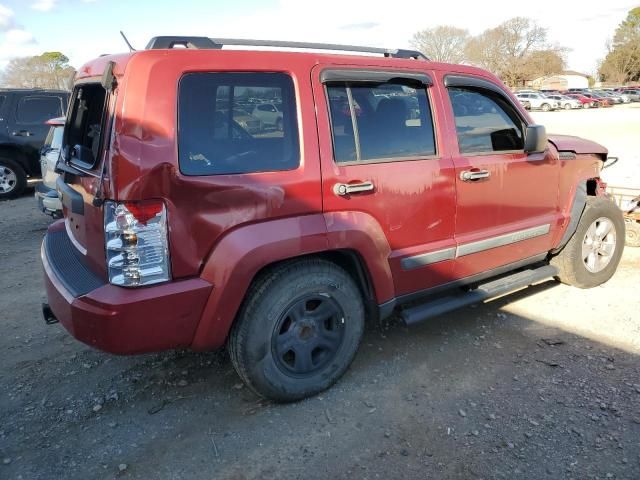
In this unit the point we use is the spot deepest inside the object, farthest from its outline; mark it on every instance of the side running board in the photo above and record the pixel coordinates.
(484, 291)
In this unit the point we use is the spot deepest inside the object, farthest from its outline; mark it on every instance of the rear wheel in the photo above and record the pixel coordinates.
(567, 106)
(13, 179)
(298, 331)
(545, 107)
(591, 256)
(585, 105)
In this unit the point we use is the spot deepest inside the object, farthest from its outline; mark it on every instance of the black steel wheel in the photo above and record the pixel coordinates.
(308, 335)
(298, 330)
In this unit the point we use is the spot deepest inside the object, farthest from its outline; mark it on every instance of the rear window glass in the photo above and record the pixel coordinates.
(83, 130)
(54, 137)
(380, 122)
(38, 109)
(237, 123)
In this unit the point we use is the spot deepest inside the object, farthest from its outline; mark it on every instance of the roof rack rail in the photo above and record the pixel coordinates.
(157, 43)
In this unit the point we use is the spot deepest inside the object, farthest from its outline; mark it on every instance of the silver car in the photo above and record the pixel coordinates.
(534, 101)
(46, 192)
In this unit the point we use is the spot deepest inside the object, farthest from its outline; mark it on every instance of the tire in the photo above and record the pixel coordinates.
(632, 234)
(585, 105)
(580, 263)
(545, 107)
(13, 178)
(284, 351)
(279, 124)
(527, 105)
(567, 106)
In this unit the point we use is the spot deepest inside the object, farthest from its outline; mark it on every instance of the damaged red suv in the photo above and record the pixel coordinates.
(270, 201)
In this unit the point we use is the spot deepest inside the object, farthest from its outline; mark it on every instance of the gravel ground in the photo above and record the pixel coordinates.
(541, 384)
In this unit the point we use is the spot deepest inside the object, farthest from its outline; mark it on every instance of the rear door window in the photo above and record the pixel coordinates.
(485, 121)
(38, 109)
(237, 123)
(380, 122)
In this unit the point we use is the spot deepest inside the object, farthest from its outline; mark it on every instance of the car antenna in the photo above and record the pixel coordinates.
(131, 49)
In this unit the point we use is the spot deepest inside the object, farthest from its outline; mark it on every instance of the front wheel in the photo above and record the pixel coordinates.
(298, 330)
(567, 106)
(13, 179)
(592, 255)
(585, 105)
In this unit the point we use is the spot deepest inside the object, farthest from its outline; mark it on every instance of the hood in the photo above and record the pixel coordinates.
(577, 145)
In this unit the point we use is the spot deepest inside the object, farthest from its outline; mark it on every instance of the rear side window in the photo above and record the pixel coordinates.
(54, 138)
(38, 109)
(485, 121)
(380, 122)
(85, 124)
(237, 123)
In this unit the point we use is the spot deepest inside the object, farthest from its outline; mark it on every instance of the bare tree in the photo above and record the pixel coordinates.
(442, 44)
(516, 51)
(49, 70)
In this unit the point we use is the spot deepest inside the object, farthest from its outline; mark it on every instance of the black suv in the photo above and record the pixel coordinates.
(23, 114)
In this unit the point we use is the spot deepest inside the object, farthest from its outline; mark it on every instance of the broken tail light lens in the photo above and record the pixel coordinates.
(136, 243)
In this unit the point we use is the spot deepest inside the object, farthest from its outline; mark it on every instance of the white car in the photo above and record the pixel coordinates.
(566, 102)
(535, 101)
(270, 114)
(46, 193)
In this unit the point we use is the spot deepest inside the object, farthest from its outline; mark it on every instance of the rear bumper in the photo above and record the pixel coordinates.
(115, 319)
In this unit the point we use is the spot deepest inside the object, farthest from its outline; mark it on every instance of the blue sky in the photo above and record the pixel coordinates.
(83, 29)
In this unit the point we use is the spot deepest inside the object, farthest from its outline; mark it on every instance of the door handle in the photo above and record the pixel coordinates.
(22, 133)
(343, 189)
(474, 175)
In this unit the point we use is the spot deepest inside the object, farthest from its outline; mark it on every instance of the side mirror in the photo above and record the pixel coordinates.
(535, 139)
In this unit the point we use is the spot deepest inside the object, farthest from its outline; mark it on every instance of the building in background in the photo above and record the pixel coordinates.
(563, 81)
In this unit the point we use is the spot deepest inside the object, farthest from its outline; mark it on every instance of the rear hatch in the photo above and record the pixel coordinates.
(84, 153)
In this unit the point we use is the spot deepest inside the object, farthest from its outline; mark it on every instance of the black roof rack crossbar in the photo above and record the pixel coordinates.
(157, 43)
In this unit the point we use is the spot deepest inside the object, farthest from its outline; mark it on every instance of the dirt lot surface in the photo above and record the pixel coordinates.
(542, 384)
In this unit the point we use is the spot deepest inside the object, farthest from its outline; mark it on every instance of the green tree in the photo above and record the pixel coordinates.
(49, 70)
(622, 63)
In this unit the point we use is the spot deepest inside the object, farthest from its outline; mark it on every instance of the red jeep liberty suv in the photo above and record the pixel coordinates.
(271, 200)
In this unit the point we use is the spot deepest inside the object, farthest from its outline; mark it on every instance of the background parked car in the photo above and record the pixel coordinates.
(634, 95)
(602, 101)
(535, 101)
(23, 114)
(270, 114)
(615, 98)
(585, 101)
(46, 192)
(566, 102)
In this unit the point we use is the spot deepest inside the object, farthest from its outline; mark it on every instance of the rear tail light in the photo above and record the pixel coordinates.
(136, 243)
